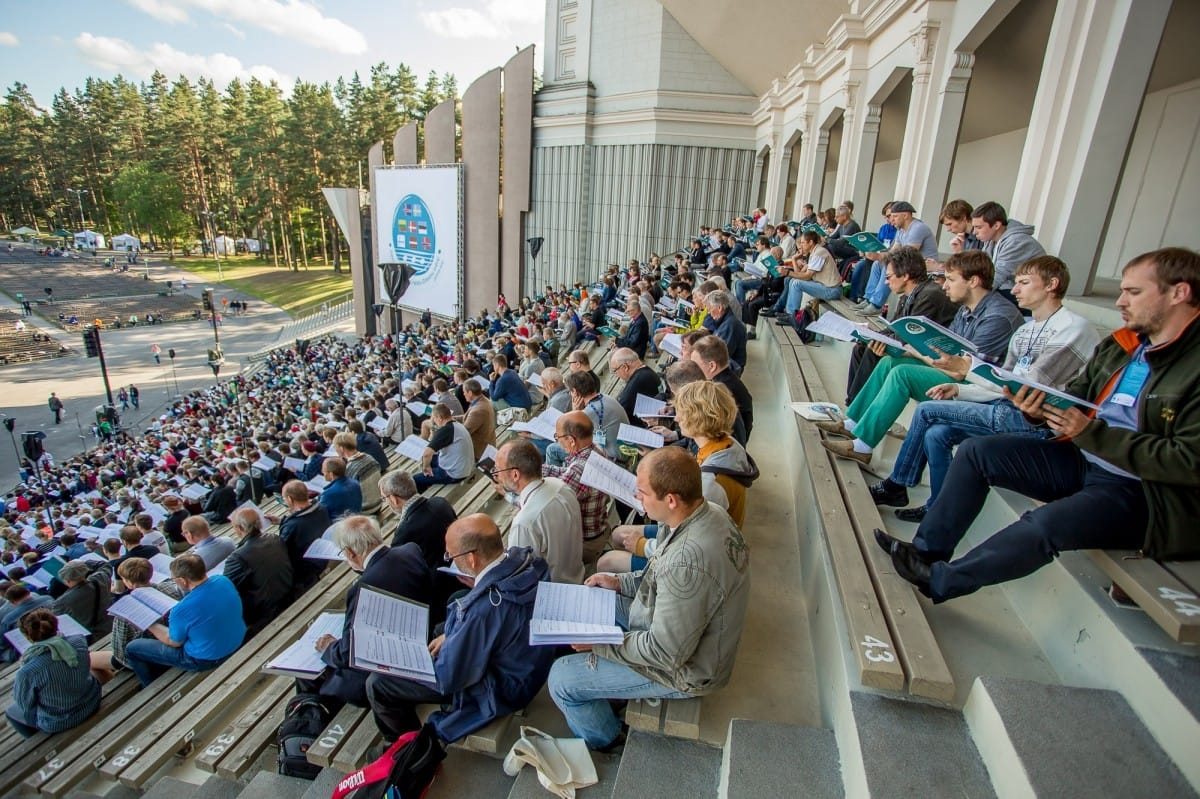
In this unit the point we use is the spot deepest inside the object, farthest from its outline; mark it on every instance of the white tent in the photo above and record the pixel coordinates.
(89, 239)
(251, 245)
(224, 245)
(127, 243)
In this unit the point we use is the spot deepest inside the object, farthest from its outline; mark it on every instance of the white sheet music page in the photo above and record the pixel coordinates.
(604, 475)
(565, 613)
(650, 408)
(413, 447)
(640, 436)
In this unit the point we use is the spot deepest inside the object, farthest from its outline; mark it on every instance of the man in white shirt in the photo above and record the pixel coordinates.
(548, 517)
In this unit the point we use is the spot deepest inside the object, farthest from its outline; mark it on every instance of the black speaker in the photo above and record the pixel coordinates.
(31, 444)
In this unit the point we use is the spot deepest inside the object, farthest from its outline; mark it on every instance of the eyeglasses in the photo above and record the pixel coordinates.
(450, 558)
(492, 474)
(557, 436)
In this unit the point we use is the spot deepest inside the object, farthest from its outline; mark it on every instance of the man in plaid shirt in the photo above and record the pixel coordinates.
(573, 432)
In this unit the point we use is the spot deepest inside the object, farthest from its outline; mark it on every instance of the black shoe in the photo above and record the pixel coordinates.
(784, 320)
(914, 515)
(910, 565)
(616, 745)
(885, 492)
(885, 540)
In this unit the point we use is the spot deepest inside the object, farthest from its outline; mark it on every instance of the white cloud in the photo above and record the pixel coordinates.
(496, 20)
(295, 20)
(238, 32)
(8, 39)
(119, 55)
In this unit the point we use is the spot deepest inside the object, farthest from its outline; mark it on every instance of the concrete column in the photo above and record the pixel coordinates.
(439, 133)
(481, 165)
(404, 145)
(914, 154)
(929, 188)
(371, 288)
(1098, 61)
(518, 166)
(808, 185)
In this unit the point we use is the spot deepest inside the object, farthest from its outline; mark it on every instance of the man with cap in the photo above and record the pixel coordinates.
(910, 232)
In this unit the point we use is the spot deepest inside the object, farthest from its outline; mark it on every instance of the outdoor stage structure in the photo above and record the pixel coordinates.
(452, 220)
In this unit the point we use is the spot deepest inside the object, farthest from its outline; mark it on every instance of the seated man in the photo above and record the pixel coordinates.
(480, 418)
(87, 596)
(985, 319)
(421, 520)
(1007, 242)
(711, 355)
(305, 522)
(1052, 348)
(134, 573)
(342, 496)
(508, 390)
(815, 273)
(203, 630)
(450, 455)
(684, 613)
(484, 664)
(361, 468)
(574, 433)
(1125, 478)
(211, 549)
(639, 379)
(637, 332)
(396, 570)
(548, 518)
(260, 570)
(606, 414)
(727, 327)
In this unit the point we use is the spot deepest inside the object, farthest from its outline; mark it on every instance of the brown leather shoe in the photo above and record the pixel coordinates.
(833, 428)
(845, 449)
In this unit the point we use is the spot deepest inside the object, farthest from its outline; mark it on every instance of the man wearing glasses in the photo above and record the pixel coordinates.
(484, 664)
(639, 379)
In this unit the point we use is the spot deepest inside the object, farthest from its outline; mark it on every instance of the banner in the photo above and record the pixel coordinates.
(418, 221)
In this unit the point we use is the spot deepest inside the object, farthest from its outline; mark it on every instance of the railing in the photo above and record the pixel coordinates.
(313, 324)
(319, 307)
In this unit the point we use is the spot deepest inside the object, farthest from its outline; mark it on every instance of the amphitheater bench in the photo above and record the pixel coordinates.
(1169, 592)
(676, 717)
(238, 677)
(894, 647)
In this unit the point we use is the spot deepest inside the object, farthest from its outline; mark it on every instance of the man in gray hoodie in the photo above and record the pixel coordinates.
(1007, 242)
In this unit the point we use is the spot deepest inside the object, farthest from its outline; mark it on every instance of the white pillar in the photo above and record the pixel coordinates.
(1098, 60)
(913, 153)
(930, 187)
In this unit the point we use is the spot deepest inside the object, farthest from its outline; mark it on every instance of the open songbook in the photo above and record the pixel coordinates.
(413, 447)
(603, 475)
(67, 627)
(924, 335)
(302, 659)
(390, 635)
(986, 374)
(566, 614)
(650, 408)
(640, 436)
(541, 425)
(143, 607)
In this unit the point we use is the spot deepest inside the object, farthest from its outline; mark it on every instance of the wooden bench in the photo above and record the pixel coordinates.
(893, 645)
(679, 718)
(1169, 592)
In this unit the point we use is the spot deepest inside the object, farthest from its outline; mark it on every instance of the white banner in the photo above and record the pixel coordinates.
(418, 221)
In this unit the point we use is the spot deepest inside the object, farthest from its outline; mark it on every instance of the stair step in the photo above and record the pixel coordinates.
(1180, 673)
(465, 773)
(171, 788)
(911, 749)
(269, 785)
(119, 791)
(764, 758)
(322, 787)
(657, 765)
(1047, 740)
(220, 788)
(528, 787)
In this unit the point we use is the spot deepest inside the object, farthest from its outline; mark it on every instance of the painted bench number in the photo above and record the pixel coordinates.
(1180, 598)
(330, 739)
(877, 651)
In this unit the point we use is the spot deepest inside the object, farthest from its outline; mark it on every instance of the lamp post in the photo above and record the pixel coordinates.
(212, 223)
(79, 196)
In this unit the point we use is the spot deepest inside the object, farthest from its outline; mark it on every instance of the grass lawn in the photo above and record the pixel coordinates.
(291, 291)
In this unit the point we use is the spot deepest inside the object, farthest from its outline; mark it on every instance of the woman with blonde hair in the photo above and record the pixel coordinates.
(705, 412)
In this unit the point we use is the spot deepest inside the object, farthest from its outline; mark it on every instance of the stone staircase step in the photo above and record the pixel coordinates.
(218, 788)
(1047, 740)
(911, 749)
(269, 785)
(465, 773)
(119, 791)
(528, 787)
(763, 758)
(657, 765)
(1180, 673)
(171, 788)
(322, 787)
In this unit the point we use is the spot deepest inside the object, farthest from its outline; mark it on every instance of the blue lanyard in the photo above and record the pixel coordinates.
(599, 411)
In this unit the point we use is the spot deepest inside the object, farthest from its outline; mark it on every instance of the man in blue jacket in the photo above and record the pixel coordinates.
(484, 664)
(342, 495)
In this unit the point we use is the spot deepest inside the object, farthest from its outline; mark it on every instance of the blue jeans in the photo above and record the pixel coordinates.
(555, 454)
(743, 287)
(798, 288)
(858, 279)
(440, 477)
(1087, 507)
(877, 290)
(940, 425)
(148, 658)
(581, 685)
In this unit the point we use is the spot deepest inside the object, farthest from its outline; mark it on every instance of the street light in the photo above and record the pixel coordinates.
(79, 196)
(213, 224)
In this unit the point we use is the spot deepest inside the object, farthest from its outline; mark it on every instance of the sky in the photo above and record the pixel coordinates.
(51, 44)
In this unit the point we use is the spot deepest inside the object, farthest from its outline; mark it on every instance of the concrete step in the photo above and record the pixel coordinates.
(1054, 740)
(763, 758)
(322, 787)
(466, 773)
(171, 788)
(656, 765)
(527, 786)
(908, 749)
(1180, 675)
(218, 788)
(269, 785)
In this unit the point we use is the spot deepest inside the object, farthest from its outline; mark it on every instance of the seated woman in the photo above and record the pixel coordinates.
(54, 689)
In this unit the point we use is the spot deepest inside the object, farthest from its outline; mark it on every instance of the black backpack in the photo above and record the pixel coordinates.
(802, 319)
(303, 722)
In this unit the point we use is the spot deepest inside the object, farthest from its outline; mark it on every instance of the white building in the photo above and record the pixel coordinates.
(1078, 116)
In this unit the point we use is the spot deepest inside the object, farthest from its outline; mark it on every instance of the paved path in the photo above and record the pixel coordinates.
(25, 388)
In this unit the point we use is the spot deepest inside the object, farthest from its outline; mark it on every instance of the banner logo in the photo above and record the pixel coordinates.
(414, 238)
